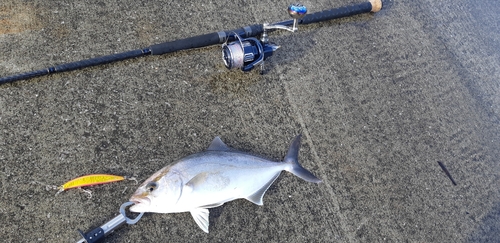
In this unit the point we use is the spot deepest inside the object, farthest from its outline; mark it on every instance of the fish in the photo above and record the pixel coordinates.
(213, 177)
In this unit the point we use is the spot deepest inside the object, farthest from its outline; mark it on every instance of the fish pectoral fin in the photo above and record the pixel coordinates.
(257, 196)
(200, 216)
(218, 145)
(195, 181)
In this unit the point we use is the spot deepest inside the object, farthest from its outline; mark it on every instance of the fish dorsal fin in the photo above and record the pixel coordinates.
(257, 196)
(218, 145)
(200, 216)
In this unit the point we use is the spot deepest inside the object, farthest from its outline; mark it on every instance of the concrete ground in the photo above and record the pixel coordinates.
(379, 98)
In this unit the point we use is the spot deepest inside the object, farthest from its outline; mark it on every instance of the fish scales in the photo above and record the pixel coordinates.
(234, 172)
(211, 178)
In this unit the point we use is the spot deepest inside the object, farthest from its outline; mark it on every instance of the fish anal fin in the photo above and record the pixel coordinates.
(257, 196)
(200, 216)
(218, 145)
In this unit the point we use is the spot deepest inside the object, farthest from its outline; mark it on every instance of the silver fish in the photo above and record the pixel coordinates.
(210, 178)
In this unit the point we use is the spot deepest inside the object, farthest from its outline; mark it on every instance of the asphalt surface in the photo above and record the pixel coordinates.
(379, 98)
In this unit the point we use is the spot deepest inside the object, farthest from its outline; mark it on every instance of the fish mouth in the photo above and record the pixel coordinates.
(140, 200)
(141, 204)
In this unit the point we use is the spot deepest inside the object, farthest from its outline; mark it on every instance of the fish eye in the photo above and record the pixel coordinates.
(151, 186)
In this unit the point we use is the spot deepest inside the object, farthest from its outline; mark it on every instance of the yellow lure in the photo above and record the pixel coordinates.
(90, 180)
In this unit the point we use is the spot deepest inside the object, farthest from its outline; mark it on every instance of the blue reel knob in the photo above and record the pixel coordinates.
(297, 10)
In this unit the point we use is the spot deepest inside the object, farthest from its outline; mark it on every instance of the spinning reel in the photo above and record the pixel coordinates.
(246, 53)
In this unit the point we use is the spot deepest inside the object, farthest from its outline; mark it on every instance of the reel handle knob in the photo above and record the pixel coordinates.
(296, 11)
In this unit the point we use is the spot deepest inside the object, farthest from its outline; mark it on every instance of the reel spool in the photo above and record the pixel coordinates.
(246, 53)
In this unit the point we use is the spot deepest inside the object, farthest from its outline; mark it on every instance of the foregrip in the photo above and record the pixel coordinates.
(336, 13)
(205, 40)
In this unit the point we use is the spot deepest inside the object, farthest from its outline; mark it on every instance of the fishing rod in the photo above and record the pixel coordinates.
(240, 48)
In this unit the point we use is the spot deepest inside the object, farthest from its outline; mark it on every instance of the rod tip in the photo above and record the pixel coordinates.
(376, 5)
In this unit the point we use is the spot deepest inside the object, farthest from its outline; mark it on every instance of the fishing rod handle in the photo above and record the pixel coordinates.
(206, 39)
(366, 7)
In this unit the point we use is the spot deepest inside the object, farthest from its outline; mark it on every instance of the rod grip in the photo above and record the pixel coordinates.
(188, 43)
(205, 40)
(335, 13)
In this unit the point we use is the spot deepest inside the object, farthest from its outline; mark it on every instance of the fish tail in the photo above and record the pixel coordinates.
(292, 159)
